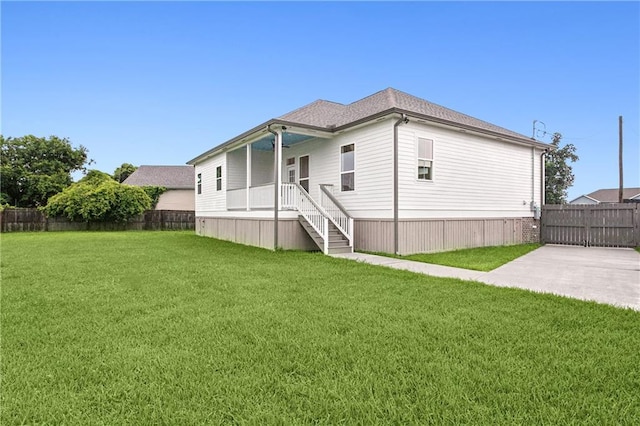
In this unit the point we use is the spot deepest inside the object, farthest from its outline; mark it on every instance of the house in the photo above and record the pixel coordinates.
(608, 196)
(388, 173)
(179, 181)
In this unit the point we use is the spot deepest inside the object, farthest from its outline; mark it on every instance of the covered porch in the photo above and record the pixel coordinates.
(258, 167)
(260, 177)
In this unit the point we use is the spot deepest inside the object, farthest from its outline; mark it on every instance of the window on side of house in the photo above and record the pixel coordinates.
(347, 167)
(425, 159)
(199, 182)
(219, 178)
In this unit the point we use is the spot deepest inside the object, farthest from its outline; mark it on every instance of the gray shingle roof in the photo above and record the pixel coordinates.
(611, 195)
(171, 177)
(331, 114)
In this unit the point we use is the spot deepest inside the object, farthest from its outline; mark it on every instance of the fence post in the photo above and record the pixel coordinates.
(636, 225)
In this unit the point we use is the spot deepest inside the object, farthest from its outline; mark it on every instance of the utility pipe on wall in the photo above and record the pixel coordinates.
(405, 120)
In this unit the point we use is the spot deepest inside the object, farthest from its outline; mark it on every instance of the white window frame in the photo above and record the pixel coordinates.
(219, 178)
(343, 172)
(424, 159)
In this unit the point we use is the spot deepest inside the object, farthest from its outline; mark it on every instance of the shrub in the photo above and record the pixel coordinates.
(98, 198)
(154, 192)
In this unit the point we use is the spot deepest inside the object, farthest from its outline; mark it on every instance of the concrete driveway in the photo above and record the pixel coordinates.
(606, 275)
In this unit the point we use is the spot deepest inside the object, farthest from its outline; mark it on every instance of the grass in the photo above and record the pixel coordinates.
(170, 328)
(478, 259)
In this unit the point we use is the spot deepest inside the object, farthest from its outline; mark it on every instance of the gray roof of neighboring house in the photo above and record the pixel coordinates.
(611, 195)
(332, 116)
(171, 177)
(323, 113)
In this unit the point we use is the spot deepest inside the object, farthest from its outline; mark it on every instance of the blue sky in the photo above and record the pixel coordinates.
(162, 82)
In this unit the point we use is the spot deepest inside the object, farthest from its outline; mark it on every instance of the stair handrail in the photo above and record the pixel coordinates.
(338, 213)
(315, 216)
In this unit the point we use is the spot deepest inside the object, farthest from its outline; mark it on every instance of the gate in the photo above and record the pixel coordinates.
(602, 225)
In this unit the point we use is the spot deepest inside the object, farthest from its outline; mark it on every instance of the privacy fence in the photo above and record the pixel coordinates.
(602, 225)
(17, 220)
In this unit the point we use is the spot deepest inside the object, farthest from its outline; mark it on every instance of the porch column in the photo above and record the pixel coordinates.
(279, 168)
(248, 185)
(277, 180)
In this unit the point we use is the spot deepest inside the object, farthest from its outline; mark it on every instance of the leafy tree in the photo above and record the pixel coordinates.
(558, 172)
(98, 198)
(33, 169)
(123, 172)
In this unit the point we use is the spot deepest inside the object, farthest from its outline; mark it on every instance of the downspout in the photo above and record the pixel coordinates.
(395, 181)
(276, 147)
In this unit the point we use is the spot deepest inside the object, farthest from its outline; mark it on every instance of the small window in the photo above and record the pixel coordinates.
(219, 178)
(425, 159)
(199, 183)
(291, 161)
(347, 167)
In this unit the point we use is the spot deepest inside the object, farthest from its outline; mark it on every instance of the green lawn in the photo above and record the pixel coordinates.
(479, 259)
(170, 328)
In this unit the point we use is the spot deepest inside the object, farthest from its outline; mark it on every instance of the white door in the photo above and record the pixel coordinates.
(303, 172)
(291, 170)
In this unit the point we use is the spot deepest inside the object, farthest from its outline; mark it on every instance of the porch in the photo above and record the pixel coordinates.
(254, 181)
(326, 221)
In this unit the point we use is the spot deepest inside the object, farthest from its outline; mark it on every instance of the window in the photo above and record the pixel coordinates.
(219, 178)
(425, 159)
(347, 167)
(303, 172)
(199, 183)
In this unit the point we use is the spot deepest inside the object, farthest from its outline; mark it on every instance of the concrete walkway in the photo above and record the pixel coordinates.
(413, 266)
(605, 275)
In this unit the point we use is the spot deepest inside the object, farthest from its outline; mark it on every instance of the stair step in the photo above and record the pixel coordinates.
(335, 250)
(338, 243)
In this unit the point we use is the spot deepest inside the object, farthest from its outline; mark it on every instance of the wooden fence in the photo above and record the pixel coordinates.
(20, 220)
(602, 225)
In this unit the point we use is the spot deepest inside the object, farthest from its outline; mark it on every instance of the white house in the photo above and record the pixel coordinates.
(390, 173)
(178, 180)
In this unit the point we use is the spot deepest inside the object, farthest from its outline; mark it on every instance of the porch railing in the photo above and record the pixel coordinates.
(336, 211)
(294, 196)
(237, 199)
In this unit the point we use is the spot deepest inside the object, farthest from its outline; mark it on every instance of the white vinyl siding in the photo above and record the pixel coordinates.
(374, 168)
(236, 170)
(210, 200)
(476, 176)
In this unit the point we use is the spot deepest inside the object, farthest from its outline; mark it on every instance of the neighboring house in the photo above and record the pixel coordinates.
(608, 196)
(179, 181)
(389, 173)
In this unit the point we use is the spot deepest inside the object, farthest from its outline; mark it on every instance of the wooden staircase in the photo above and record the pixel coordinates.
(329, 225)
(338, 243)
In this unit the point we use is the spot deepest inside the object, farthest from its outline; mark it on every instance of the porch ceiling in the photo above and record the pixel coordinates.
(288, 139)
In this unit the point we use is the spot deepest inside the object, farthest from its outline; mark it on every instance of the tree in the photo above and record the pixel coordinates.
(123, 172)
(99, 198)
(33, 169)
(558, 172)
